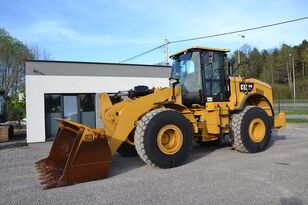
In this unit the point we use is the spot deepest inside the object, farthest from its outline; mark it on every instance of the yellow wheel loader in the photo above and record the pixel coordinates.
(206, 101)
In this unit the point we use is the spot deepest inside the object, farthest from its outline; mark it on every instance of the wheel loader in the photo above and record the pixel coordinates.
(206, 101)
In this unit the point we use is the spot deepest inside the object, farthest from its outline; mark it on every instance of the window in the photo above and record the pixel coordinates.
(213, 74)
(74, 107)
(87, 102)
(87, 109)
(53, 103)
(187, 68)
(53, 109)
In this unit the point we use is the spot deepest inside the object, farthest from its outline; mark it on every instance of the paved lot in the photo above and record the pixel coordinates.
(212, 175)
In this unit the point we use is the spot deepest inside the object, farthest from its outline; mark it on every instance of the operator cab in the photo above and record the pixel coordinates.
(201, 75)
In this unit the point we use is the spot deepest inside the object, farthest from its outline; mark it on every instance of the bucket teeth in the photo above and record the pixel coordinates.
(44, 177)
(78, 154)
(49, 174)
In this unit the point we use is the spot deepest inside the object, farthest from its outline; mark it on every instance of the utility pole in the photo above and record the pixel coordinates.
(166, 51)
(294, 96)
(238, 48)
(293, 75)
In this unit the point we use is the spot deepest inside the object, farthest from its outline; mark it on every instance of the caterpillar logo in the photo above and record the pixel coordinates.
(246, 87)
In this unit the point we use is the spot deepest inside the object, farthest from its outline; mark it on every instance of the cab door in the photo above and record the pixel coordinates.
(213, 76)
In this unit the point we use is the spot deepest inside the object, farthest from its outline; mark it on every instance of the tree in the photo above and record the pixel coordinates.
(275, 66)
(244, 55)
(302, 53)
(255, 63)
(267, 71)
(12, 55)
(17, 108)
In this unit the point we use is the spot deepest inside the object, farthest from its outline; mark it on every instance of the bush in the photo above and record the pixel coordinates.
(281, 91)
(16, 109)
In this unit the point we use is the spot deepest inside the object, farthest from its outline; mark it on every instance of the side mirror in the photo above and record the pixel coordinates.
(174, 81)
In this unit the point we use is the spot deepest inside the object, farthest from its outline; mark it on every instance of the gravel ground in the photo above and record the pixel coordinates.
(212, 175)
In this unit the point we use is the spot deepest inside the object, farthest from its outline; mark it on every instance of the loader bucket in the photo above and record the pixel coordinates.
(78, 154)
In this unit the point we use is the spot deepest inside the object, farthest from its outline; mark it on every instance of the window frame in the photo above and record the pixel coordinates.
(221, 96)
(79, 114)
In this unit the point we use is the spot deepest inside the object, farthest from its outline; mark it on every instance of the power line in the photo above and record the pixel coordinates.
(143, 53)
(215, 35)
(239, 31)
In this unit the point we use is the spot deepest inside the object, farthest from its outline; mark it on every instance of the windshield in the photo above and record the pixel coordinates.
(186, 68)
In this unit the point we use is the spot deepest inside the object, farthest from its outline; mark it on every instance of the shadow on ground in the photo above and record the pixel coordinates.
(276, 137)
(202, 150)
(291, 200)
(122, 164)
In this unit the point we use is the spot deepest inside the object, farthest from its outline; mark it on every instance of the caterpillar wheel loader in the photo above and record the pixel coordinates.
(206, 101)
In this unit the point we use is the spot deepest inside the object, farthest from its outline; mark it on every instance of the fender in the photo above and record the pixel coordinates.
(186, 112)
(255, 95)
(120, 119)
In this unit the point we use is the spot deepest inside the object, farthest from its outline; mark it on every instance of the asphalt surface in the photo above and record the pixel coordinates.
(212, 175)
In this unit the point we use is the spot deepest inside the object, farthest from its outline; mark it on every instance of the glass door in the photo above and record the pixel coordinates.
(70, 108)
(87, 109)
(53, 110)
(74, 107)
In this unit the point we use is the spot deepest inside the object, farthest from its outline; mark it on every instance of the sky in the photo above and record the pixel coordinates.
(114, 30)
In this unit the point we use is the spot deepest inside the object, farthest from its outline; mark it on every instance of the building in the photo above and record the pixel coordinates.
(70, 90)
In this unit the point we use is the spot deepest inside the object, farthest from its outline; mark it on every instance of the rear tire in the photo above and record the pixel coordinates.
(163, 138)
(127, 148)
(250, 130)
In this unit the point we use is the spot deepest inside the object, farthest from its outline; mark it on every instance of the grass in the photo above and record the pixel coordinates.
(291, 101)
(293, 112)
(296, 109)
(297, 120)
(297, 112)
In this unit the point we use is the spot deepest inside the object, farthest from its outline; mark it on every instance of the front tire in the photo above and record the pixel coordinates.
(250, 130)
(163, 138)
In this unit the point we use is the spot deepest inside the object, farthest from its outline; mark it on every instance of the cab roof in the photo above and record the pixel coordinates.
(200, 48)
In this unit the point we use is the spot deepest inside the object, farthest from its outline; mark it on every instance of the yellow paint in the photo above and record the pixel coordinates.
(280, 120)
(237, 97)
(257, 130)
(169, 139)
(208, 120)
(121, 118)
(130, 112)
(186, 112)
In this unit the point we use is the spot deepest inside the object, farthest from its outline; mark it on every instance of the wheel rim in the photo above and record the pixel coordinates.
(257, 130)
(169, 139)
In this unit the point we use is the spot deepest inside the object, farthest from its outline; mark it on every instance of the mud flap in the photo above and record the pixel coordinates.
(78, 154)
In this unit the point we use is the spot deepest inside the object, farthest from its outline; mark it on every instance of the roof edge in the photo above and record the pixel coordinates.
(225, 50)
(100, 63)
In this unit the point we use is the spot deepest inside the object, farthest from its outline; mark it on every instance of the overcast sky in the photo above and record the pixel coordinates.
(111, 30)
